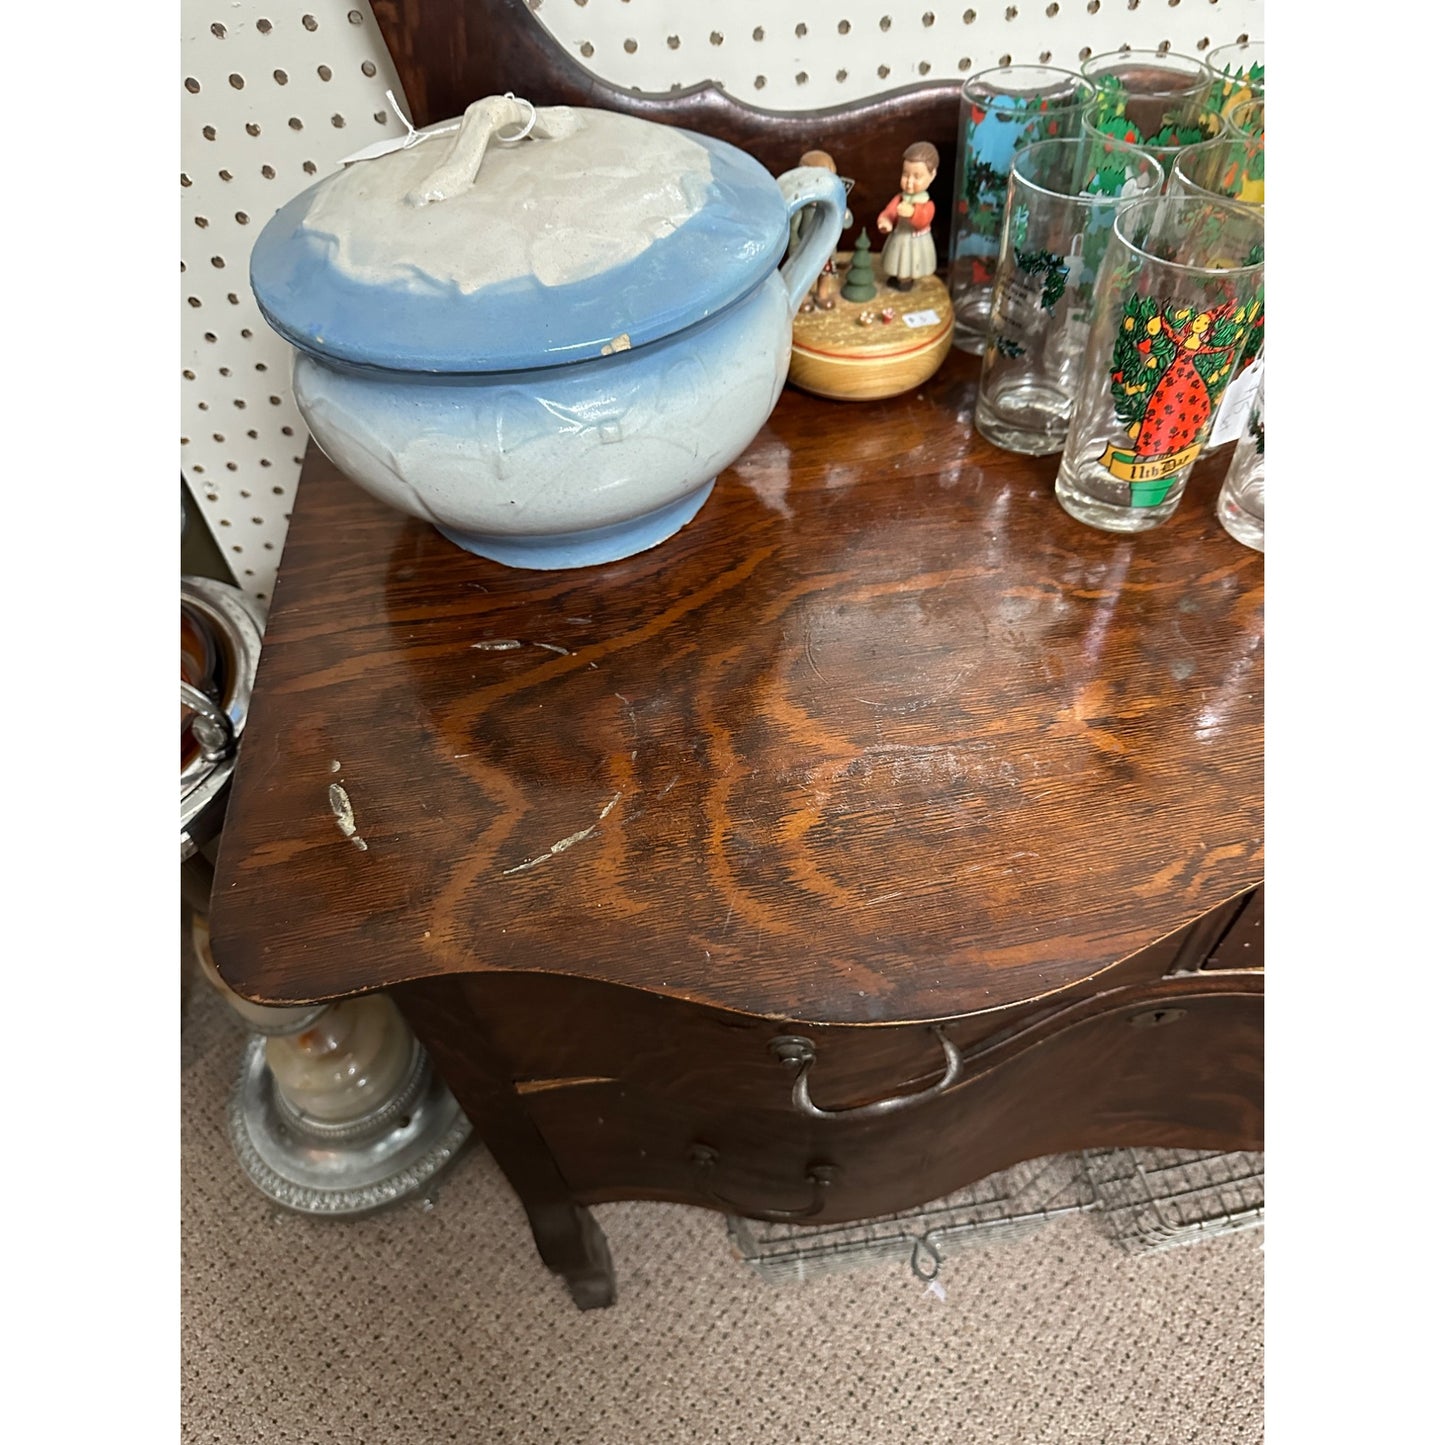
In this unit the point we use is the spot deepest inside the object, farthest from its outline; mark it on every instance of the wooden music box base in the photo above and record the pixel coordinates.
(836, 355)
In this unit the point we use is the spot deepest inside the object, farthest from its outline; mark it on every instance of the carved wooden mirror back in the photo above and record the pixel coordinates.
(449, 53)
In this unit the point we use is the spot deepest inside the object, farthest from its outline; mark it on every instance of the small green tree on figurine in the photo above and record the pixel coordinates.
(858, 284)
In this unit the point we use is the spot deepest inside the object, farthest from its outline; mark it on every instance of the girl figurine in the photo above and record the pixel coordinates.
(909, 251)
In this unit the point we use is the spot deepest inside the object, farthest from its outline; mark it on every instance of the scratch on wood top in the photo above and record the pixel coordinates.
(341, 810)
(539, 1086)
(563, 844)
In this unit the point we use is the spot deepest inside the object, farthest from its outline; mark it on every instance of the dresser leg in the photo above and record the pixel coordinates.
(573, 1245)
(569, 1240)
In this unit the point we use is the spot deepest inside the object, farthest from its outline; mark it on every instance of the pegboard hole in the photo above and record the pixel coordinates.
(368, 68)
(242, 219)
(185, 179)
(883, 72)
(759, 81)
(224, 175)
(588, 50)
(280, 77)
(969, 16)
(193, 85)
(924, 67)
(209, 131)
(193, 300)
(338, 121)
(885, 22)
(841, 76)
(800, 30)
(844, 26)
(264, 26)
(219, 262)
(759, 33)
(238, 82)
(252, 128)
(295, 122)
(354, 16)
(219, 31)
(324, 71)
(309, 21)
(715, 38)
(201, 221)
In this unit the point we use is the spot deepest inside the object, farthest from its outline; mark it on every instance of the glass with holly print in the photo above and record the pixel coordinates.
(1241, 499)
(1002, 111)
(1063, 196)
(1180, 289)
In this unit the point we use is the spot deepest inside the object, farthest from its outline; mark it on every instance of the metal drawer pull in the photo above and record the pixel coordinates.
(211, 727)
(799, 1053)
(820, 1176)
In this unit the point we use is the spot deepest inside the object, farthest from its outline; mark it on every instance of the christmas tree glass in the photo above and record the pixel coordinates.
(1180, 290)
(1063, 196)
(1002, 111)
(1241, 498)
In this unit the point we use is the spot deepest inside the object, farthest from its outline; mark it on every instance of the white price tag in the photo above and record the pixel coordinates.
(920, 318)
(1234, 405)
(396, 143)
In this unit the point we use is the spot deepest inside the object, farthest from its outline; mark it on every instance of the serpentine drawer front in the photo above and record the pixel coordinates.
(795, 1137)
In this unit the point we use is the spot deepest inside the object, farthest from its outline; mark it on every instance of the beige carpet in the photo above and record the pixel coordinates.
(434, 1323)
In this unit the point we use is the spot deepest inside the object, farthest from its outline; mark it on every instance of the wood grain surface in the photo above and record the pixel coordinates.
(882, 735)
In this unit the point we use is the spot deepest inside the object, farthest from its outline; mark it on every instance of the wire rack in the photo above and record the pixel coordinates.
(1013, 1202)
(1154, 1198)
(1142, 1198)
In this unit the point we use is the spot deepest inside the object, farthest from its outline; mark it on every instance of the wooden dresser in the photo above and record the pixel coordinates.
(882, 828)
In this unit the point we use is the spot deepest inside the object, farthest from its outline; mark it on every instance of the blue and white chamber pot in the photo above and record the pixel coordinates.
(544, 331)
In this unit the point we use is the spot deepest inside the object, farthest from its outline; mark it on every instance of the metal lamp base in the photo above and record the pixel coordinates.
(342, 1172)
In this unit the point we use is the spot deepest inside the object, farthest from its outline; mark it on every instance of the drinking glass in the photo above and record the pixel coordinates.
(1148, 89)
(1247, 120)
(1002, 110)
(1231, 166)
(1180, 287)
(1182, 124)
(1062, 199)
(1236, 73)
(1241, 498)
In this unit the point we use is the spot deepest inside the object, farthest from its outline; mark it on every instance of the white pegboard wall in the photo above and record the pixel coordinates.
(276, 92)
(808, 54)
